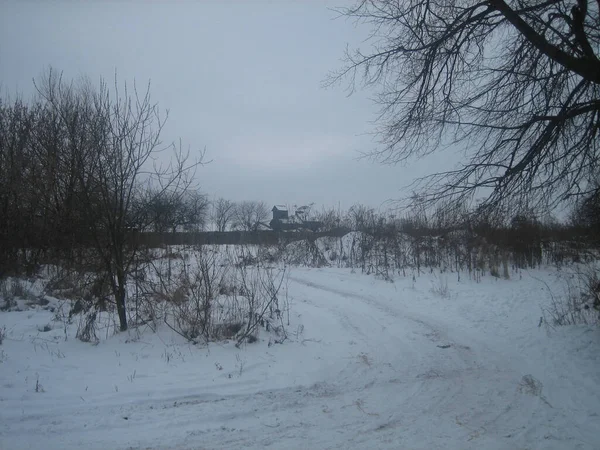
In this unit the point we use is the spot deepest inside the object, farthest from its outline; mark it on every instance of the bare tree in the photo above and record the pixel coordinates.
(164, 211)
(330, 219)
(159, 211)
(361, 218)
(116, 148)
(193, 212)
(586, 213)
(223, 214)
(250, 215)
(513, 82)
(18, 207)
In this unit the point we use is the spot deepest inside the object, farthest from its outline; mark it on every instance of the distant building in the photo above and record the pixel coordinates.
(283, 222)
(280, 212)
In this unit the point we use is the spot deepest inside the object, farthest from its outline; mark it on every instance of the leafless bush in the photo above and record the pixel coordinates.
(18, 289)
(305, 253)
(9, 300)
(86, 332)
(260, 289)
(64, 284)
(207, 298)
(190, 289)
(12, 289)
(2, 334)
(89, 287)
(580, 303)
(227, 286)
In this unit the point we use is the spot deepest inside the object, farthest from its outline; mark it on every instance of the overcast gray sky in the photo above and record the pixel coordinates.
(240, 78)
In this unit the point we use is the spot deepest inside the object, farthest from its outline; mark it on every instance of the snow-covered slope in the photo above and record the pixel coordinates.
(423, 363)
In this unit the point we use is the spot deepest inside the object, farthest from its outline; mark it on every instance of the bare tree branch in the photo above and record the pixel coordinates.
(514, 83)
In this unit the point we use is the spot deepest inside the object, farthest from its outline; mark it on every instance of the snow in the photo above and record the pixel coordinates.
(422, 362)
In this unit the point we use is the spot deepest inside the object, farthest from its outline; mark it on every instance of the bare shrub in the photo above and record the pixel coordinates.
(580, 303)
(18, 289)
(305, 253)
(190, 289)
(227, 287)
(260, 288)
(2, 334)
(86, 332)
(88, 286)
(227, 330)
(63, 284)
(9, 303)
(189, 320)
(211, 299)
(11, 290)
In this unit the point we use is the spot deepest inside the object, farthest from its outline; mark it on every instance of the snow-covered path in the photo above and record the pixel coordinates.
(452, 386)
(370, 365)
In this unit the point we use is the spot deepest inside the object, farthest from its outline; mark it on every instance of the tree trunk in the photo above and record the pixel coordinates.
(120, 300)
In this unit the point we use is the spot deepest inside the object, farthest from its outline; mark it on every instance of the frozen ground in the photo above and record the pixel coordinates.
(370, 365)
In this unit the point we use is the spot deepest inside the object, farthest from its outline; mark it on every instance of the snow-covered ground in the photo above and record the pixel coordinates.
(369, 365)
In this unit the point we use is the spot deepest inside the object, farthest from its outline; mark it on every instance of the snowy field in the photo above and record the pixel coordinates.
(369, 364)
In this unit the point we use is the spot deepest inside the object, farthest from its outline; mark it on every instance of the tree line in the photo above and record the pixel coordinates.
(83, 169)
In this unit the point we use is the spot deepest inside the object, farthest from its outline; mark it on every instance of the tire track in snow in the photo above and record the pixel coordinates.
(465, 361)
(448, 367)
(432, 328)
(367, 325)
(431, 331)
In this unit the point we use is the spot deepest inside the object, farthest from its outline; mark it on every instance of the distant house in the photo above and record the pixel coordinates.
(280, 212)
(283, 222)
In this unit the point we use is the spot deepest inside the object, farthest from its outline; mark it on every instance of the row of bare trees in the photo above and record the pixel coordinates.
(82, 168)
(227, 215)
(193, 211)
(583, 216)
(459, 238)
